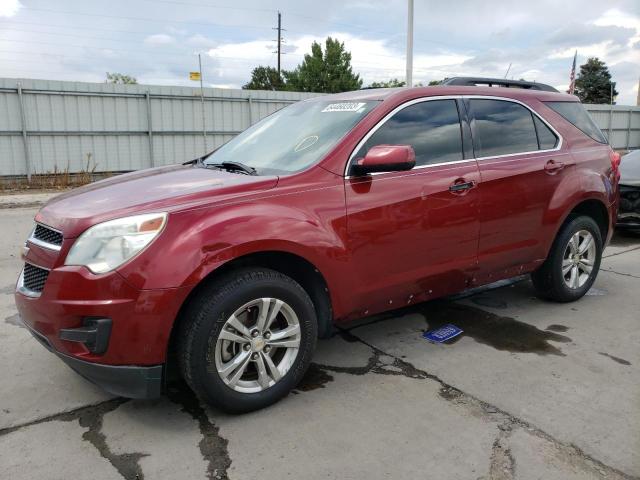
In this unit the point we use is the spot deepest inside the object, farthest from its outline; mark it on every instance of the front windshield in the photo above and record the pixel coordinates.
(293, 138)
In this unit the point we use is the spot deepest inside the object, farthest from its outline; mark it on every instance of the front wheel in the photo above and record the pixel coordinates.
(247, 339)
(573, 262)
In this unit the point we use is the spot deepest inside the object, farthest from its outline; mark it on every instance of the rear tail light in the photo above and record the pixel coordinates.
(615, 163)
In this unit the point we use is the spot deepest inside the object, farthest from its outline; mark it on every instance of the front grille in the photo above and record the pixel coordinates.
(47, 235)
(34, 277)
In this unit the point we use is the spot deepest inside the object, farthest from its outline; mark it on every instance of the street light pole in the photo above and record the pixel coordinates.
(204, 125)
(409, 43)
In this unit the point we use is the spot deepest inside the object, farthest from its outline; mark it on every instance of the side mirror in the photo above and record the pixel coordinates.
(385, 158)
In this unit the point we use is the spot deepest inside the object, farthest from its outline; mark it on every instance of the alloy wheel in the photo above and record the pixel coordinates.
(578, 260)
(257, 345)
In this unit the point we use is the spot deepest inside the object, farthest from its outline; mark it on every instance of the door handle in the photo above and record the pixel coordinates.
(552, 167)
(461, 186)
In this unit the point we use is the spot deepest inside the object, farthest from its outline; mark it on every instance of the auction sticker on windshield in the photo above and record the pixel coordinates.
(344, 107)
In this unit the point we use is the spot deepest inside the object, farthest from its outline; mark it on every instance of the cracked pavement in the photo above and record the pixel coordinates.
(530, 390)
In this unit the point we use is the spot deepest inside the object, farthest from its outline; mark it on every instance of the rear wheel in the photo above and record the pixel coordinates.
(247, 340)
(573, 262)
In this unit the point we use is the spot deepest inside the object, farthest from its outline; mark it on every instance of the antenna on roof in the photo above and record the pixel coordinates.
(505, 75)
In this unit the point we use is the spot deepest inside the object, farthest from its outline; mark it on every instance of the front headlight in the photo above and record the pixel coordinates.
(106, 246)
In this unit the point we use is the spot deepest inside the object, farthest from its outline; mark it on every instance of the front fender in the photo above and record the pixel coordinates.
(197, 242)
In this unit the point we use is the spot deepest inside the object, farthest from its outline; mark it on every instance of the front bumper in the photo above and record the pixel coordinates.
(132, 362)
(122, 380)
(142, 320)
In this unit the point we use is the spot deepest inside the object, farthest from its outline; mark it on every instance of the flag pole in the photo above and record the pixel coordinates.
(572, 76)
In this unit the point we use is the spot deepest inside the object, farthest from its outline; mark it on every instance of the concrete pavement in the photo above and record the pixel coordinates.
(530, 390)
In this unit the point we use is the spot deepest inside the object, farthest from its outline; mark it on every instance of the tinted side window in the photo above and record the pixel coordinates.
(432, 128)
(575, 113)
(546, 138)
(501, 127)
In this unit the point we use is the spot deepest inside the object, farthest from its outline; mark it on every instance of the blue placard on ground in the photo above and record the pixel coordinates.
(442, 334)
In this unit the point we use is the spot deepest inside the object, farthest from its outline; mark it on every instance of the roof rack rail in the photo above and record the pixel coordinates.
(502, 82)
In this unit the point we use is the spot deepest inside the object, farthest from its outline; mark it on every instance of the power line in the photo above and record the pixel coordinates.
(66, 27)
(164, 53)
(142, 19)
(206, 24)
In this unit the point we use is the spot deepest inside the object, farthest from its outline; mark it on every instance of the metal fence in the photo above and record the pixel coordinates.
(48, 126)
(620, 123)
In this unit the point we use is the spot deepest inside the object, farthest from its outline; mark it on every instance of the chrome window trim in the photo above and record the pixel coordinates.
(556, 133)
(50, 246)
(451, 97)
(20, 288)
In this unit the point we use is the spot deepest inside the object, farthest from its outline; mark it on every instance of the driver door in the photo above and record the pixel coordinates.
(413, 235)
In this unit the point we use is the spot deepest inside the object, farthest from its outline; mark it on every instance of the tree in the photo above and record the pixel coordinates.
(265, 78)
(120, 79)
(435, 82)
(593, 84)
(327, 72)
(393, 83)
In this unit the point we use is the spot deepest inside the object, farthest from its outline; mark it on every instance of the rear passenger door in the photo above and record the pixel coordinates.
(413, 235)
(521, 166)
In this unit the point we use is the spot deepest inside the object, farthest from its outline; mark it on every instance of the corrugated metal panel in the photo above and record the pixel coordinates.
(620, 123)
(79, 126)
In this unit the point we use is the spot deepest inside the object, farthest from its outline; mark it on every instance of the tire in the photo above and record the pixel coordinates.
(208, 345)
(549, 280)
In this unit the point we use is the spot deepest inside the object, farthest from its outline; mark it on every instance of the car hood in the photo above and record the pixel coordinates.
(630, 169)
(158, 189)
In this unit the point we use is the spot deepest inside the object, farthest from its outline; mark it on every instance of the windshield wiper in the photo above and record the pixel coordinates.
(200, 160)
(234, 166)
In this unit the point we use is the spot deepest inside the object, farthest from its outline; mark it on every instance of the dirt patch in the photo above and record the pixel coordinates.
(488, 301)
(315, 378)
(619, 360)
(14, 320)
(557, 328)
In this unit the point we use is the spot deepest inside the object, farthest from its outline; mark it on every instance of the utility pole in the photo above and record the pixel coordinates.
(409, 43)
(204, 125)
(279, 39)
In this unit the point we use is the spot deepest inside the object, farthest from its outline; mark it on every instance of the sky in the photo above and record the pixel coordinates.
(157, 41)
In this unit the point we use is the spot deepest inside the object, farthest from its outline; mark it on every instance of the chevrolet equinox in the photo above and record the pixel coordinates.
(230, 267)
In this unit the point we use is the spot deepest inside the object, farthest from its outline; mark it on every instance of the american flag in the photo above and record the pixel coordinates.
(572, 76)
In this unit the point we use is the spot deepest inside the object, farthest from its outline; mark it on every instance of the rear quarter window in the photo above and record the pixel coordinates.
(575, 113)
(502, 127)
(547, 140)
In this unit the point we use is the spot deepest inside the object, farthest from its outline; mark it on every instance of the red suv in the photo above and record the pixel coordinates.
(331, 209)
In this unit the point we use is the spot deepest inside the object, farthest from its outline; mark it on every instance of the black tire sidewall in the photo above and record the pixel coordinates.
(218, 309)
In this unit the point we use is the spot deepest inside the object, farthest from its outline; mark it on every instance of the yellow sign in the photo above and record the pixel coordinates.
(194, 76)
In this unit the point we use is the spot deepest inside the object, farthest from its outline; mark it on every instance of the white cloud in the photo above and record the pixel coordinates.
(373, 59)
(595, 50)
(483, 38)
(158, 39)
(224, 85)
(8, 8)
(619, 19)
(201, 41)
